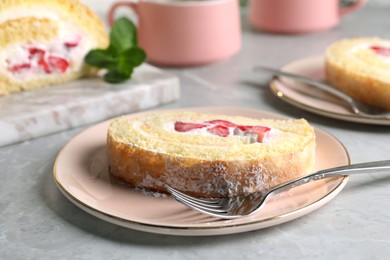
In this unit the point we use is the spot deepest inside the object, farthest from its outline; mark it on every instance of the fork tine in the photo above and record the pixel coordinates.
(185, 199)
(189, 201)
(202, 201)
(199, 207)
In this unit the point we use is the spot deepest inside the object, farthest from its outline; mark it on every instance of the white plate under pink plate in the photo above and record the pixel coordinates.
(81, 174)
(313, 99)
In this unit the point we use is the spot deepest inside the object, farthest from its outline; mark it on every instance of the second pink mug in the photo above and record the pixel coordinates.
(185, 33)
(297, 16)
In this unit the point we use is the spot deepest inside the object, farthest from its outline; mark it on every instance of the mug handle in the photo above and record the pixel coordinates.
(352, 7)
(116, 5)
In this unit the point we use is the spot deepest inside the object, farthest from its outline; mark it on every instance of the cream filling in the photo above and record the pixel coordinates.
(245, 136)
(16, 54)
(367, 46)
(384, 58)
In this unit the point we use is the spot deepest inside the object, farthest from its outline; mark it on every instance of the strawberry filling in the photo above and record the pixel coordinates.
(44, 60)
(185, 127)
(220, 130)
(224, 128)
(260, 131)
(19, 67)
(74, 42)
(36, 52)
(58, 63)
(384, 51)
(44, 65)
(222, 123)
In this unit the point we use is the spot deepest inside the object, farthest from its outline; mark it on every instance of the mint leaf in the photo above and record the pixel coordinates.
(114, 76)
(101, 58)
(123, 35)
(121, 56)
(131, 58)
(125, 66)
(137, 55)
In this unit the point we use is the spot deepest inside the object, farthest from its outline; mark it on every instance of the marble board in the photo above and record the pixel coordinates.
(32, 114)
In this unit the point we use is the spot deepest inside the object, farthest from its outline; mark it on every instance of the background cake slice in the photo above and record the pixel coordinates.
(44, 42)
(360, 67)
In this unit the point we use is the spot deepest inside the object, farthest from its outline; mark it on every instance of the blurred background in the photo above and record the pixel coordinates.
(101, 5)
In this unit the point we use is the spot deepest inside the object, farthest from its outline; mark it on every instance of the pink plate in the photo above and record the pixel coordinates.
(313, 99)
(81, 174)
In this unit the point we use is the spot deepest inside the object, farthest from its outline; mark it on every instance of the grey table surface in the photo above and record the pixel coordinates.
(38, 222)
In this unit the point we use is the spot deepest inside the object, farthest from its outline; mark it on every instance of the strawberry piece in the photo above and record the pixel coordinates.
(251, 128)
(19, 67)
(185, 127)
(73, 42)
(36, 52)
(59, 63)
(44, 65)
(385, 51)
(244, 127)
(219, 130)
(260, 131)
(222, 122)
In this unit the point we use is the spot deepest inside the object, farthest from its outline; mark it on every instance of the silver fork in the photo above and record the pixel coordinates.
(240, 206)
(357, 107)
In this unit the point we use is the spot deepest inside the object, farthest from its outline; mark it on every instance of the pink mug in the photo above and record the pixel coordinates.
(297, 16)
(185, 33)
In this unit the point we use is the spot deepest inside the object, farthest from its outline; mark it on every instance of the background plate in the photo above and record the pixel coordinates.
(313, 99)
(81, 174)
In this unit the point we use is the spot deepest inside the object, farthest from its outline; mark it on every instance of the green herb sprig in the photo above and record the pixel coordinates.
(121, 56)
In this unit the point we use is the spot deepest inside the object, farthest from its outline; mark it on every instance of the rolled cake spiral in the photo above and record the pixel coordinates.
(209, 155)
(43, 42)
(360, 67)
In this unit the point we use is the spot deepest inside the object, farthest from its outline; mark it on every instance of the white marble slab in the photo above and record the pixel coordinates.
(31, 114)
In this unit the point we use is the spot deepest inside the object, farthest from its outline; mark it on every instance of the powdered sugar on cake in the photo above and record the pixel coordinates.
(257, 178)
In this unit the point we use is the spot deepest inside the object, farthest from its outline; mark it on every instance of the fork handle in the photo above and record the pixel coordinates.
(368, 167)
(312, 82)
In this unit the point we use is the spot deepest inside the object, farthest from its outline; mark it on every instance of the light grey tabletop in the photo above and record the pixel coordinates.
(38, 222)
